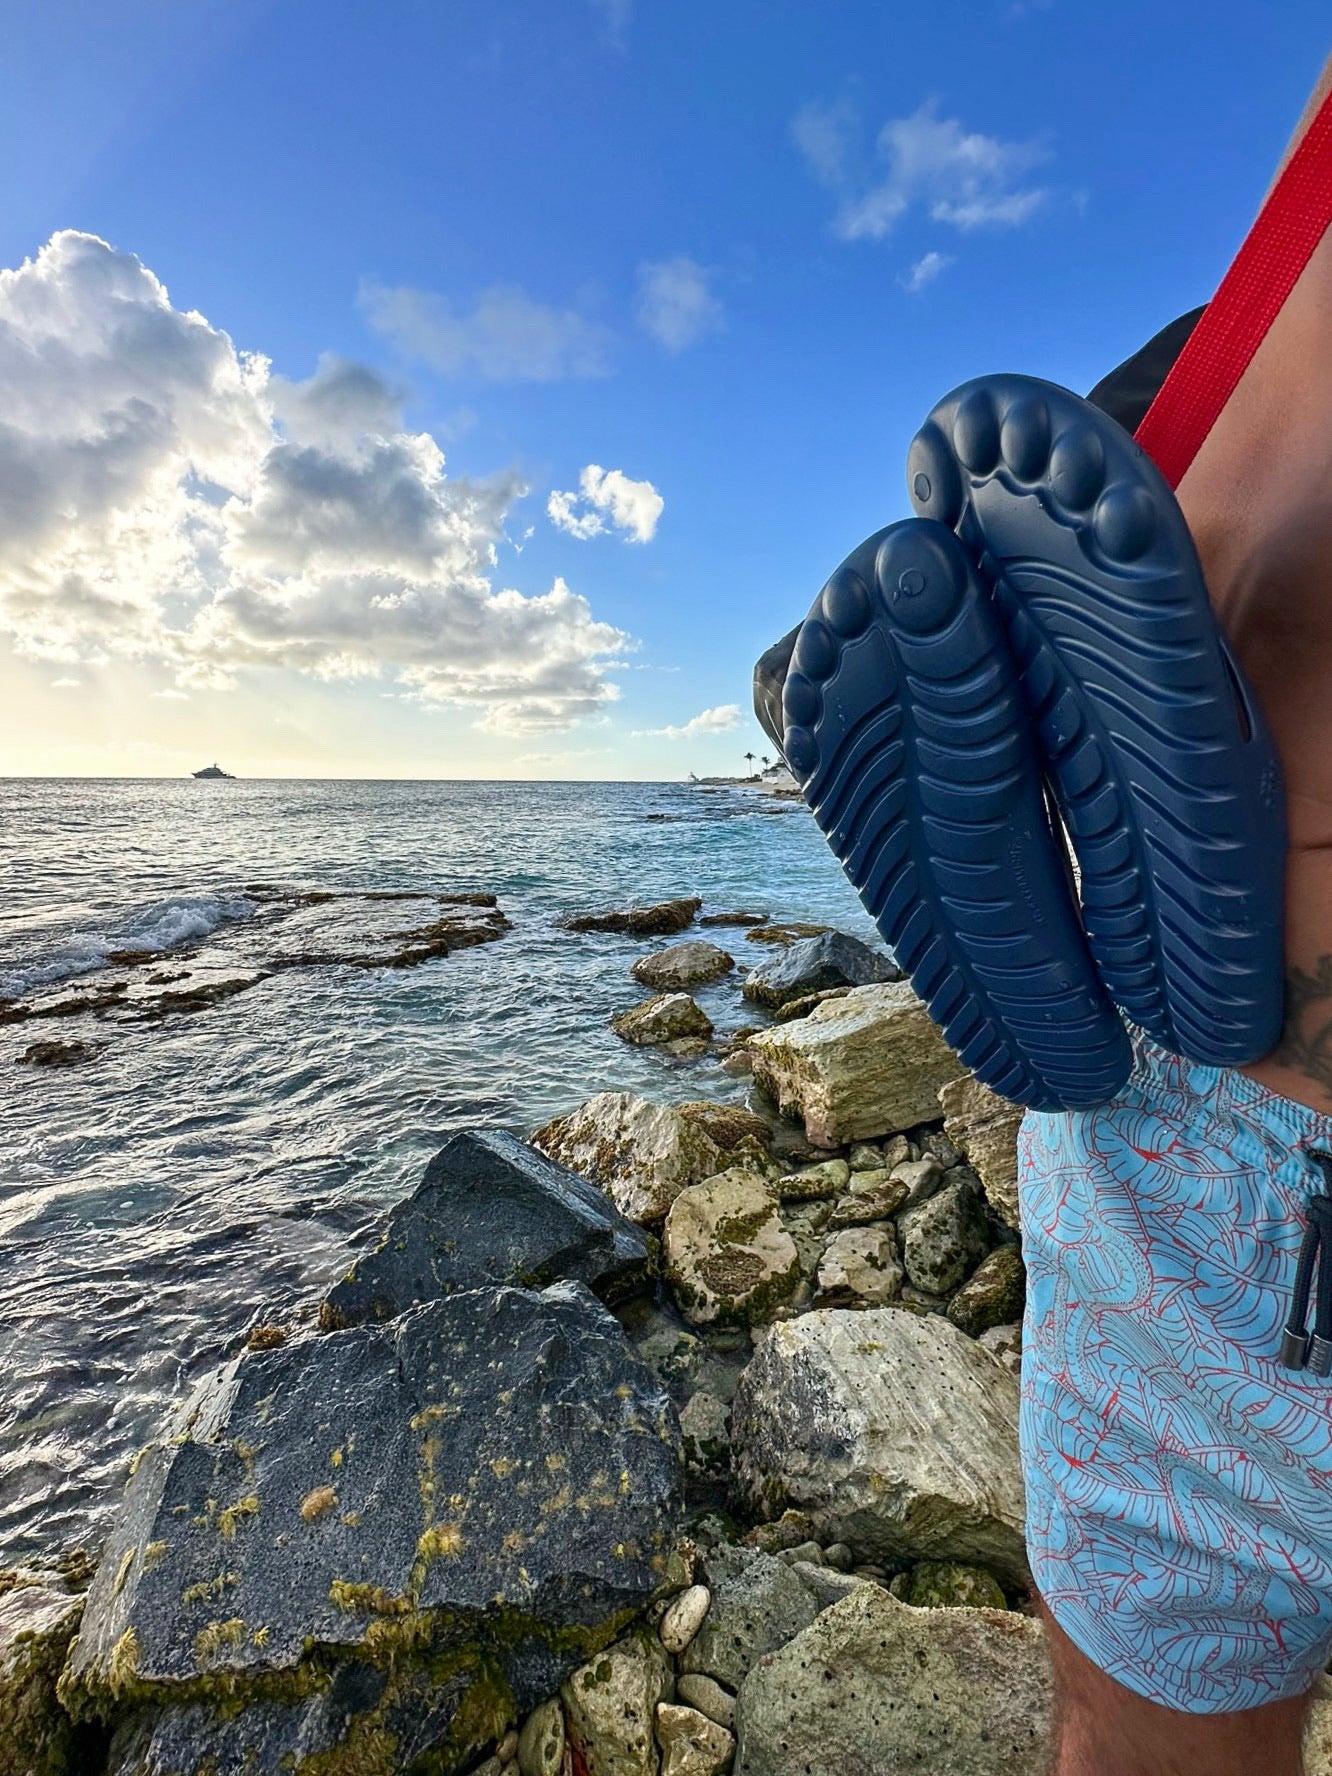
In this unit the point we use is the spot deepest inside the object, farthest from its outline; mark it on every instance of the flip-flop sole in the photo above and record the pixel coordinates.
(1162, 765)
(906, 730)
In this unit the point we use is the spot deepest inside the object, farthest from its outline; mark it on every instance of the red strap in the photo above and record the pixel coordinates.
(1290, 225)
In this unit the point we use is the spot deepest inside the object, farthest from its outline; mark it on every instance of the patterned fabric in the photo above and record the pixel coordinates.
(1179, 1480)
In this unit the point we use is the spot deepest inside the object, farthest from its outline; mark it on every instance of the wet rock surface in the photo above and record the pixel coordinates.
(669, 1018)
(490, 1210)
(815, 964)
(493, 1477)
(663, 920)
(681, 966)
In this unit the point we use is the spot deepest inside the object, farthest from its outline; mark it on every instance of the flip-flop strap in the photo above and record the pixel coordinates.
(1264, 272)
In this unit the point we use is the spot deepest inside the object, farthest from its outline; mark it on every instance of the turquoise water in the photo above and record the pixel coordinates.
(220, 1166)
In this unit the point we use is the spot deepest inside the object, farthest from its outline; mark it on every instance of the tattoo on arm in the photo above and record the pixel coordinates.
(1306, 1040)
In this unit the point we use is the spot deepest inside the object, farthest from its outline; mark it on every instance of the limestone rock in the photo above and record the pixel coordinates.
(684, 1618)
(873, 1196)
(610, 1706)
(541, 1741)
(758, 1604)
(38, 1619)
(644, 1154)
(874, 1686)
(943, 1237)
(984, 1127)
(814, 964)
(865, 1157)
(708, 1696)
(944, 1584)
(784, 932)
(868, 1064)
(664, 920)
(827, 1179)
(496, 1457)
(490, 1210)
(801, 1007)
(691, 1744)
(921, 1177)
(668, 1018)
(684, 965)
(703, 1425)
(742, 916)
(891, 1430)
(727, 1254)
(993, 1295)
(1004, 1344)
(860, 1268)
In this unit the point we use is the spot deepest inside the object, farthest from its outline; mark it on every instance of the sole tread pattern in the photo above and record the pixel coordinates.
(1162, 767)
(905, 727)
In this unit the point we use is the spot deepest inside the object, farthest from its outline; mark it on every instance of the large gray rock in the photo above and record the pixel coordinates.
(758, 1604)
(727, 1254)
(869, 1064)
(984, 1127)
(38, 1617)
(681, 966)
(946, 1235)
(893, 1431)
(644, 1154)
(490, 1210)
(662, 920)
(494, 1475)
(669, 1017)
(816, 963)
(874, 1686)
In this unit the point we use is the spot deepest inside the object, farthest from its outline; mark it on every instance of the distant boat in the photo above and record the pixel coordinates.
(215, 771)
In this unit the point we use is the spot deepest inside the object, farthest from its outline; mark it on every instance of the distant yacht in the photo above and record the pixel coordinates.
(215, 771)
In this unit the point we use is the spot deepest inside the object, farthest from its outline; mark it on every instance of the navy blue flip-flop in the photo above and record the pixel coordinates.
(906, 729)
(1162, 765)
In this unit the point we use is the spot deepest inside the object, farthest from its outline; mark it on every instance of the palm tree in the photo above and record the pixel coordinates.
(765, 761)
(749, 760)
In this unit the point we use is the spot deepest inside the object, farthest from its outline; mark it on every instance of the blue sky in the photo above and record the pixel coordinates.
(669, 286)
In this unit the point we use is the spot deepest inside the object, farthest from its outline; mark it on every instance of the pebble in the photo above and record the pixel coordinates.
(684, 1618)
(708, 1697)
(541, 1742)
(922, 1178)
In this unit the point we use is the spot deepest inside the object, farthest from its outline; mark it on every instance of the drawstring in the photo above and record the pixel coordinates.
(1298, 1349)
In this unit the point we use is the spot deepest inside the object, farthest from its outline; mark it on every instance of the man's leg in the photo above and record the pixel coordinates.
(1103, 1729)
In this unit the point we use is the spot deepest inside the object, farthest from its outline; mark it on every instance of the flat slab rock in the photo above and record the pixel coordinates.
(866, 1065)
(893, 1431)
(644, 1154)
(874, 1686)
(490, 1209)
(663, 920)
(497, 1457)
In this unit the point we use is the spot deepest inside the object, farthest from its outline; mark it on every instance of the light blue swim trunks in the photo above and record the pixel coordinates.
(1179, 1478)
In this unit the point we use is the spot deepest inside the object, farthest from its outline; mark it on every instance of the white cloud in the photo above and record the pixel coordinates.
(959, 177)
(675, 304)
(66, 684)
(507, 337)
(610, 501)
(170, 696)
(924, 271)
(709, 721)
(166, 498)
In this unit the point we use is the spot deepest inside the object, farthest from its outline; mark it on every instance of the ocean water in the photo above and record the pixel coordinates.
(209, 1170)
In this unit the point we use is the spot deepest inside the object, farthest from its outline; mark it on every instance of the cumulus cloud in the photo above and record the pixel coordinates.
(675, 305)
(164, 497)
(959, 177)
(66, 684)
(507, 337)
(708, 721)
(607, 500)
(924, 271)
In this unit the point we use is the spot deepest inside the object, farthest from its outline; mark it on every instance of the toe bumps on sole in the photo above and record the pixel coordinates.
(1163, 769)
(905, 727)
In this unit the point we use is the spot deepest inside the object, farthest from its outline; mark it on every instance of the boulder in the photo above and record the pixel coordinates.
(859, 1268)
(984, 1128)
(892, 1431)
(994, 1294)
(691, 1744)
(869, 1064)
(683, 965)
(669, 1018)
(874, 1686)
(814, 964)
(38, 1618)
(610, 1707)
(742, 916)
(663, 920)
(490, 1210)
(643, 1154)
(758, 1604)
(801, 1007)
(944, 1584)
(493, 1478)
(727, 1255)
(944, 1236)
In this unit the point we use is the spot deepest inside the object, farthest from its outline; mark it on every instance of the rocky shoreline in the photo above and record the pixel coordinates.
(676, 1440)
